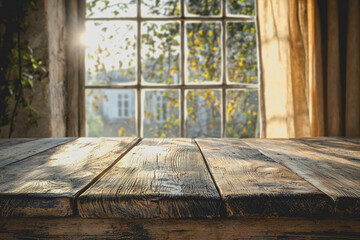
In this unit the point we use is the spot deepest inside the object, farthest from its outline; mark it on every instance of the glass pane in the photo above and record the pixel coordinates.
(160, 8)
(161, 113)
(110, 9)
(241, 52)
(106, 114)
(240, 7)
(110, 52)
(203, 52)
(203, 7)
(203, 113)
(242, 113)
(160, 52)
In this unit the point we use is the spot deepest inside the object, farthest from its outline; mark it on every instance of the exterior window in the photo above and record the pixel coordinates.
(161, 108)
(123, 105)
(126, 106)
(178, 68)
(120, 107)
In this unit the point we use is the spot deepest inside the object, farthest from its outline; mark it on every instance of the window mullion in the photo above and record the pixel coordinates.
(182, 69)
(200, 18)
(82, 83)
(138, 89)
(192, 86)
(224, 83)
(259, 74)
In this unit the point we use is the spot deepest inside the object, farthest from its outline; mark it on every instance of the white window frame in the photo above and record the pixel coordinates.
(141, 86)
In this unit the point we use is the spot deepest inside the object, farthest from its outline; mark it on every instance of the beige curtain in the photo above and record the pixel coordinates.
(310, 67)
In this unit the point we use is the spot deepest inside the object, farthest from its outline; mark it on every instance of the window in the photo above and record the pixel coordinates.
(183, 68)
(161, 108)
(120, 107)
(123, 105)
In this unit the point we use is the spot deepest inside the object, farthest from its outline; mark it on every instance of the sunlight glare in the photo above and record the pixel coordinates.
(153, 150)
(90, 39)
(110, 45)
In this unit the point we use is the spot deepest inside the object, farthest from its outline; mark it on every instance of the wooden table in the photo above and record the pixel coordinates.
(180, 188)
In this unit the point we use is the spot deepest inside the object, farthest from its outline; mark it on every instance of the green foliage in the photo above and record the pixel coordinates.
(241, 52)
(113, 58)
(242, 113)
(243, 7)
(161, 52)
(94, 125)
(204, 8)
(203, 113)
(110, 7)
(18, 67)
(165, 121)
(204, 52)
(161, 8)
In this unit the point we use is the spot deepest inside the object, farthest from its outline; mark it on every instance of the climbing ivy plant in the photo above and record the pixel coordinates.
(18, 66)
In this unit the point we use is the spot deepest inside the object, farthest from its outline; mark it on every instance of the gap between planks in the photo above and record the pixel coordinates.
(284, 165)
(221, 211)
(136, 142)
(138, 187)
(336, 176)
(252, 184)
(128, 147)
(222, 200)
(47, 193)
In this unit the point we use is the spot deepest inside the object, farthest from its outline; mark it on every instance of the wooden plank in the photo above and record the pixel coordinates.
(252, 184)
(18, 152)
(7, 142)
(333, 146)
(14, 140)
(249, 228)
(355, 140)
(46, 184)
(159, 178)
(338, 177)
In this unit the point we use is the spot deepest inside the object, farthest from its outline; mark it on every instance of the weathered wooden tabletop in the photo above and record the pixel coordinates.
(179, 178)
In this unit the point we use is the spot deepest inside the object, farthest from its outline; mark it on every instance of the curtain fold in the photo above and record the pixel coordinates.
(334, 104)
(299, 57)
(310, 52)
(352, 115)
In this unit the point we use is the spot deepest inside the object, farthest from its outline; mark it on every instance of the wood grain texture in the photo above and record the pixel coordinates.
(355, 140)
(82, 70)
(72, 68)
(159, 178)
(244, 228)
(336, 176)
(253, 184)
(46, 184)
(18, 152)
(333, 146)
(7, 142)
